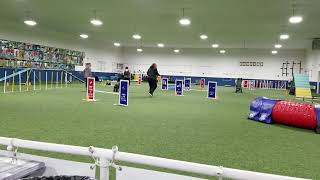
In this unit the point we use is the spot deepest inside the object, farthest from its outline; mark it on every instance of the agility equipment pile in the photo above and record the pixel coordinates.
(302, 115)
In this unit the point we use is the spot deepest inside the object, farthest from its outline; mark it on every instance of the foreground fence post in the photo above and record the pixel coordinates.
(104, 169)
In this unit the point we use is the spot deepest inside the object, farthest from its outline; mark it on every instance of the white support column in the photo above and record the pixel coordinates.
(20, 81)
(5, 81)
(104, 169)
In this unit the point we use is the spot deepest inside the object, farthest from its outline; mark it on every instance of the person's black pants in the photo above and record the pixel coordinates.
(153, 83)
(86, 80)
(128, 80)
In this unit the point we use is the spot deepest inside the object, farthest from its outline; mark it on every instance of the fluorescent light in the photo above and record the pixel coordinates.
(30, 22)
(161, 45)
(284, 36)
(274, 52)
(136, 36)
(139, 50)
(96, 22)
(116, 44)
(278, 46)
(185, 22)
(203, 37)
(84, 36)
(295, 19)
(222, 51)
(215, 45)
(176, 51)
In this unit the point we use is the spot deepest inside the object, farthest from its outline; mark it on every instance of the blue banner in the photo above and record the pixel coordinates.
(124, 93)
(187, 84)
(212, 90)
(179, 88)
(164, 83)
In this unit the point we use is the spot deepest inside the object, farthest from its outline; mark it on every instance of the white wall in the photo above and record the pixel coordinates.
(313, 64)
(190, 62)
(102, 58)
(209, 63)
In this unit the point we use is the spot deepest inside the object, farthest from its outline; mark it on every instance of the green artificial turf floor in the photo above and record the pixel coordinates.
(190, 128)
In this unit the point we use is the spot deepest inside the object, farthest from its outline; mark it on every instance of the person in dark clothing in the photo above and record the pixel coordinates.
(87, 73)
(292, 87)
(239, 85)
(127, 74)
(152, 78)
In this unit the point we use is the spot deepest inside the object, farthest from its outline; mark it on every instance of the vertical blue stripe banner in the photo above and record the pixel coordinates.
(212, 90)
(187, 84)
(124, 93)
(164, 84)
(179, 88)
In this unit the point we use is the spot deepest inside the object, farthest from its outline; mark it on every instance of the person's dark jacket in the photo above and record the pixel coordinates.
(152, 73)
(126, 74)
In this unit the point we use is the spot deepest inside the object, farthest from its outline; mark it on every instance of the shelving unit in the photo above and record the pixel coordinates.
(20, 54)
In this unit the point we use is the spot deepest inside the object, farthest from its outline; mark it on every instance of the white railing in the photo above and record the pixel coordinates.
(107, 157)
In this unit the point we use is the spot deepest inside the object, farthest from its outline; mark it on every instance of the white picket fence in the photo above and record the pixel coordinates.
(107, 157)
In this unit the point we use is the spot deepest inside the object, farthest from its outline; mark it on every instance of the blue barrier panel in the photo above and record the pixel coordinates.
(261, 109)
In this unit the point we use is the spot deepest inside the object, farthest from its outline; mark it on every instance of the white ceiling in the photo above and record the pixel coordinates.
(258, 23)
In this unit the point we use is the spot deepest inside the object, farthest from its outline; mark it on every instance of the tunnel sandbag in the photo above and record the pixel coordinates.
(261, 109)
(302, 115)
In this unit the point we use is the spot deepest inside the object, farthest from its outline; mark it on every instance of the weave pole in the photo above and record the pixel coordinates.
(57, 79)
(12, 87)
(46, 80)
(5, 81)
(61, 79)
(66, 79)
(27, 81)
(34, 80)
(39, 77)
(51, 79)
(20, 82)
